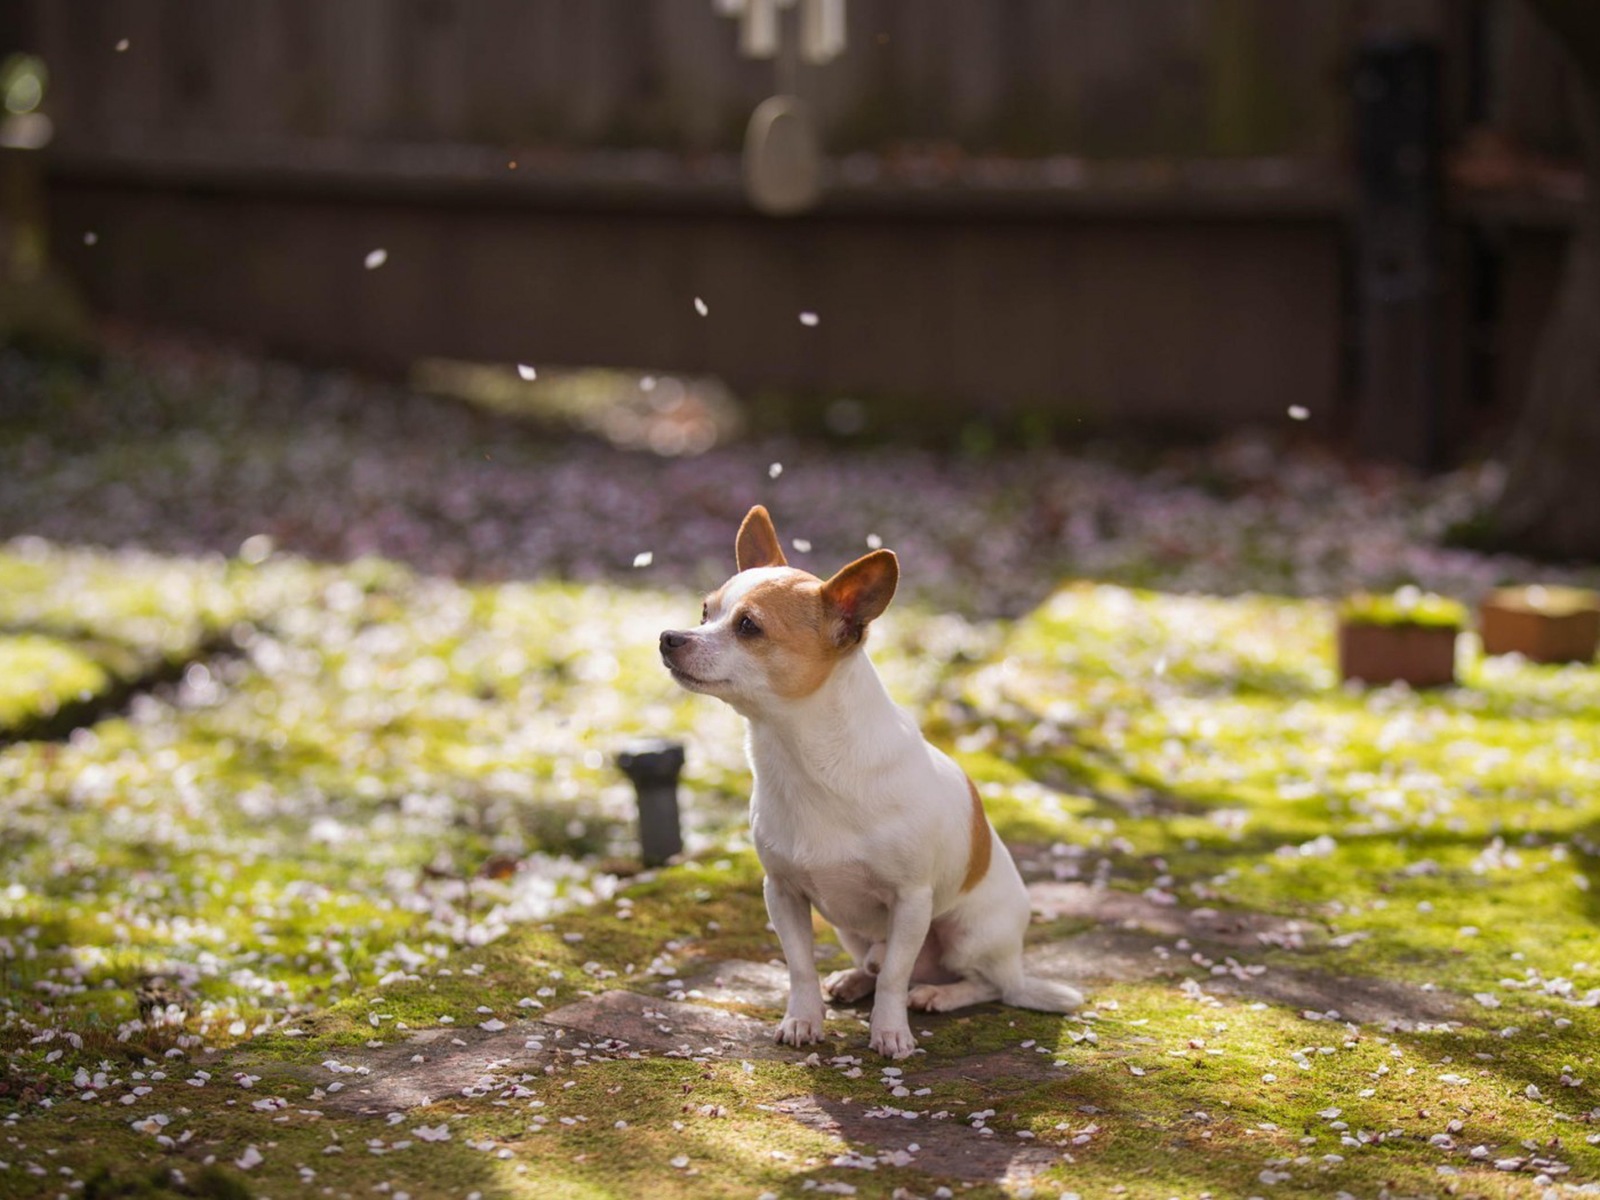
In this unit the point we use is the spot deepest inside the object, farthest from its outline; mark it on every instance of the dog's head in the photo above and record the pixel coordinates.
(773, 633)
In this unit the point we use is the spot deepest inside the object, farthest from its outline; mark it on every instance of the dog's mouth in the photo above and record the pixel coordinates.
(688, 680)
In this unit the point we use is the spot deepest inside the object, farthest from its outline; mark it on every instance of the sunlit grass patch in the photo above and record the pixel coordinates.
(147, 602)
(41, 675)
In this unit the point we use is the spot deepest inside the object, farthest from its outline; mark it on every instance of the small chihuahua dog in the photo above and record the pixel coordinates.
(853, 812)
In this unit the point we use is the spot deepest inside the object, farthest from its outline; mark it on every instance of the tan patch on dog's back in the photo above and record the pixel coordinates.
(980, 849)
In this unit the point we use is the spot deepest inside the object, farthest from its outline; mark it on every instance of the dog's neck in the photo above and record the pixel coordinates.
(837, 736)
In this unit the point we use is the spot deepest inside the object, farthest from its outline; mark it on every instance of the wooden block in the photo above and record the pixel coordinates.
(1419, 655)
(1546, 625)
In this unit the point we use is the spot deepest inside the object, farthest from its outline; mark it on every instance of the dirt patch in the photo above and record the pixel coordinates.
(950, 1148)
(1112, 956)
(1129, 910)
(438, 1063)
(1002, 1073)
(1364, 1000)
(1102, 956)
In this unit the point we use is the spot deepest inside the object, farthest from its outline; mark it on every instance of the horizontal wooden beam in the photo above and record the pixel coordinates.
(1254, 189)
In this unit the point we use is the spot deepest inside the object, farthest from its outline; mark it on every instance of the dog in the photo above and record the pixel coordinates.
(853, 812)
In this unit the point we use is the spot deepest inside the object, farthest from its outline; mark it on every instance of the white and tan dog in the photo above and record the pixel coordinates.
(853, 812)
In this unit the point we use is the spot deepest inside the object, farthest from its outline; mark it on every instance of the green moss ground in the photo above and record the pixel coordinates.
(392, 804)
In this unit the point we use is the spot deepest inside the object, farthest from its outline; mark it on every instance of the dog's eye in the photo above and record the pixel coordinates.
(748, 628)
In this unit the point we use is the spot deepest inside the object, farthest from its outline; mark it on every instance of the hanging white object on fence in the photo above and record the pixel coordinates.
(822, 30)
(822, 27)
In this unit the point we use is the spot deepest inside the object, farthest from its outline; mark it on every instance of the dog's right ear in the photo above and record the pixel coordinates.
(757, 544)
(858, 594)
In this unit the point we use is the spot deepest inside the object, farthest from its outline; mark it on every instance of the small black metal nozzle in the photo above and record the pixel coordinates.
(653, 767)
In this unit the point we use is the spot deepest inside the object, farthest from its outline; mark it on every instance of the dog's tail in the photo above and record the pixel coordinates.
(1041, 995)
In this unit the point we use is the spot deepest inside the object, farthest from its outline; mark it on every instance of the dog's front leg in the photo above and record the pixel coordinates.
(790, 912)
(908, 930)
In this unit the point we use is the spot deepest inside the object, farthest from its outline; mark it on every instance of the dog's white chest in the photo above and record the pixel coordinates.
(849, 894)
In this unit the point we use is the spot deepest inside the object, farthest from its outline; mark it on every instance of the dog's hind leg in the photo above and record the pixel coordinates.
(942, 997)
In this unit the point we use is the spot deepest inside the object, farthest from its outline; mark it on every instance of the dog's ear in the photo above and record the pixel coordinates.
(858, 594)
(757, 544)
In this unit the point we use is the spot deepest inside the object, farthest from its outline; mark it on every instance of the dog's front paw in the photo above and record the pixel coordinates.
(893, 1042)
(799, 1030)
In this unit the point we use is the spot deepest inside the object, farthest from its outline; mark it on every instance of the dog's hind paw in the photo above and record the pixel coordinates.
(848, 986)
(927, 997)
(799, 1031)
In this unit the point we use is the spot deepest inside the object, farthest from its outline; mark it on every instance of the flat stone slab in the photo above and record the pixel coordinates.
(430, 1066)
(739, 981)
(654, 1025)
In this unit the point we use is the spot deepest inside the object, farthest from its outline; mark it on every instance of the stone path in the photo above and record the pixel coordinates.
(700, 1018)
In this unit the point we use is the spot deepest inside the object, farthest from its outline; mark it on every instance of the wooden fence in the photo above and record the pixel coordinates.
(1189, 190)
(1179, 78)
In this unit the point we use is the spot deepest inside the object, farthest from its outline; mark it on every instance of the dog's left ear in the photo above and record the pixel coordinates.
(858, 594)
(757, 544)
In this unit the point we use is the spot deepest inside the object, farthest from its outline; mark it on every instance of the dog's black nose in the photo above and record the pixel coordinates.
(672, 639)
